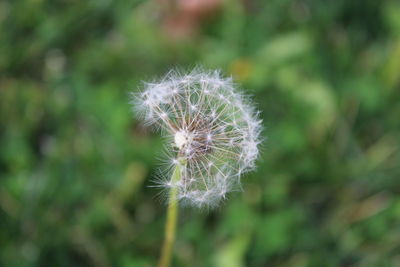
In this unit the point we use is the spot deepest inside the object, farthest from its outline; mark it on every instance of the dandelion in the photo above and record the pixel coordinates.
(212, 132)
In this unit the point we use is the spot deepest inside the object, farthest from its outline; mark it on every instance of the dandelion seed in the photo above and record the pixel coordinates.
(213, 132)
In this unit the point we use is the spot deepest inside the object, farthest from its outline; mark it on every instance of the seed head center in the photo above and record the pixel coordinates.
(181, 138)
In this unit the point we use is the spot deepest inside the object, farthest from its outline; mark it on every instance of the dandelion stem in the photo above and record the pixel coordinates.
(172, 216)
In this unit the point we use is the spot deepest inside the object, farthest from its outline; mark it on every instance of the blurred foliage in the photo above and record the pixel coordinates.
(76, 168)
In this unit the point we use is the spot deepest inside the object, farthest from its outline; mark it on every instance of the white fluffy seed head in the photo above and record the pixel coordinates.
(212, 128)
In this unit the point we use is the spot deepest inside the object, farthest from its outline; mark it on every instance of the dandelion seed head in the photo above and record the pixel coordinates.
(213, 132)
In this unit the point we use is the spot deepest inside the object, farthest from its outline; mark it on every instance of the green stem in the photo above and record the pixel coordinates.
(172, 216)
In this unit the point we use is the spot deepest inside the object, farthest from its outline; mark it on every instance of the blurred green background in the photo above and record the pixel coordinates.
(75, 166)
